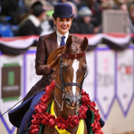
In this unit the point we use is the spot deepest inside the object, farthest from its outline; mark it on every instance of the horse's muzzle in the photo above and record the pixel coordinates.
(72, 101)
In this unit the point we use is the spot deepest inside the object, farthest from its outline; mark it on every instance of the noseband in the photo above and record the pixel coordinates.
(63, 84)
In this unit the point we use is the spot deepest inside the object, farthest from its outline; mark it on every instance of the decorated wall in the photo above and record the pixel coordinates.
(110, 79)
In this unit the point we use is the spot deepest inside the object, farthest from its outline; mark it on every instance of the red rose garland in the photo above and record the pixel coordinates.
(42, 117)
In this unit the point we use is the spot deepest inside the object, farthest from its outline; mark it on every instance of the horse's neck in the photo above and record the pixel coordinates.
(65, 113)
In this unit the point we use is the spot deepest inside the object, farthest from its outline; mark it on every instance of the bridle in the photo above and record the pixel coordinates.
(63, 84)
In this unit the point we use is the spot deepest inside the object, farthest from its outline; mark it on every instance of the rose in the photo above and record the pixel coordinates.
(73, 120)
(51, 120)
(97, 115)
(36, 118)
(44, 98)
(85, 98)
(49, 89)
(41, 107)
(84, 94)
(45, 119)
(92, 106)
(52, 85)
(35, 121)
(82, 112)
(61, 123)
(96, 126)
(34, 129)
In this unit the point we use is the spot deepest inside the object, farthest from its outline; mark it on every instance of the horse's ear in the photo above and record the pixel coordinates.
(84, 44)
(69, 42)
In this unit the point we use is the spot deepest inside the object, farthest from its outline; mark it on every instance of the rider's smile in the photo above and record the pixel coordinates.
(63, 24)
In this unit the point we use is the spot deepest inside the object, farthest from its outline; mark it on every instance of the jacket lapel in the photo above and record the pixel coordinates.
(54, 41)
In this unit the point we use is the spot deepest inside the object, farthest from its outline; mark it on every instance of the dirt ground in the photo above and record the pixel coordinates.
(128, 133)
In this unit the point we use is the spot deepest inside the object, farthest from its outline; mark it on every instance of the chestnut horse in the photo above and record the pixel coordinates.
(70, 69)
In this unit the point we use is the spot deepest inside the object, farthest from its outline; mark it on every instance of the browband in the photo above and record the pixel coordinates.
(73, 56)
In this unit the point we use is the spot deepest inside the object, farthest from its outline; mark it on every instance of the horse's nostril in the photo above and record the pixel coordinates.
(79, 101)
(73, 104)
(67, 100)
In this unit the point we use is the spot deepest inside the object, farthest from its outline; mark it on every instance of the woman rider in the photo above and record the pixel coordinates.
(62, 18)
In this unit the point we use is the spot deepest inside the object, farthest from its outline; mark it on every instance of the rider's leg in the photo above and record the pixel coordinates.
(26, 121)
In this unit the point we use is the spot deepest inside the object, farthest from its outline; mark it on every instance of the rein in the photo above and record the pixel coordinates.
(63, 84)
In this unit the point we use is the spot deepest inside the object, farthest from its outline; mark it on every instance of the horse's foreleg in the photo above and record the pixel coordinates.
(85, 128)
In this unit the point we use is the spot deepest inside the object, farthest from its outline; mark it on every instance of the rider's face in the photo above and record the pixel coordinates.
(63, 24)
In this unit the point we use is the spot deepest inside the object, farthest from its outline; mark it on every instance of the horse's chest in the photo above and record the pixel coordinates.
(48, 130)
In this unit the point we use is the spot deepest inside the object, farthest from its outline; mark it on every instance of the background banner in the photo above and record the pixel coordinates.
(110, 80)
(11, 90)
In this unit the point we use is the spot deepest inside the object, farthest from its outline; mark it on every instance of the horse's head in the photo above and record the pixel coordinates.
(70, 72)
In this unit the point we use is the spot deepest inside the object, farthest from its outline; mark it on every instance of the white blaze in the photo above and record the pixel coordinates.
(75, 66)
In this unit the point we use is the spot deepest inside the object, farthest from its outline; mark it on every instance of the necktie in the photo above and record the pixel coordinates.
(62, 41)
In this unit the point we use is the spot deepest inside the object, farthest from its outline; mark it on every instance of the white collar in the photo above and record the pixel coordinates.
(59, 37)
(34, 20)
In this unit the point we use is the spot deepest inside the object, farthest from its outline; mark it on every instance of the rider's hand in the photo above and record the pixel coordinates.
(46, 69)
